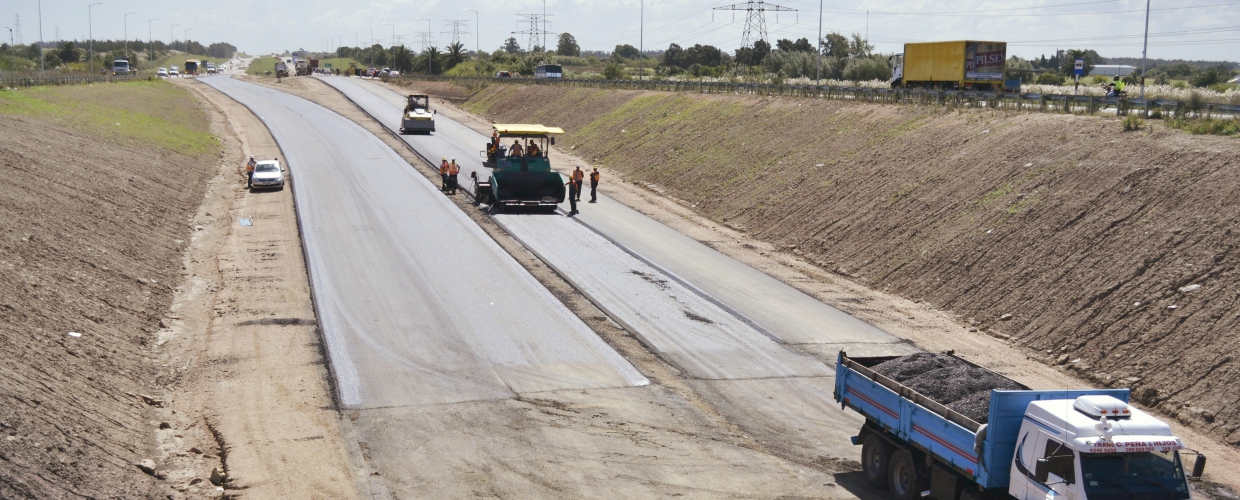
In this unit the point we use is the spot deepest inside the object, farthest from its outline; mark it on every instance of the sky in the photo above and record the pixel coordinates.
(1185, 29)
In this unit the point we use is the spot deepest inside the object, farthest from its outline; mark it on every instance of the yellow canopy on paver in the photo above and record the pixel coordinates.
(518, 129)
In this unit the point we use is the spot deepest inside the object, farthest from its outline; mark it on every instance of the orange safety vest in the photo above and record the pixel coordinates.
(533, 150)
(453, 169)
(249, 167)
(594, 176)
(578, 175)
(443, 168)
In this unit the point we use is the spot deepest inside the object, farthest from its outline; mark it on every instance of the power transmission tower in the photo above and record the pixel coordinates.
(454, 28)
(17, 29)
(755, 19)
(424, 39)
(538, 27)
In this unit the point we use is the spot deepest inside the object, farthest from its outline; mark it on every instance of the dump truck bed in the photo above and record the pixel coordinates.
(981, 452)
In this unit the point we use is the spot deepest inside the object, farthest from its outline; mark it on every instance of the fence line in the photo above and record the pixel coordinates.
(18, 79)
(950, 98)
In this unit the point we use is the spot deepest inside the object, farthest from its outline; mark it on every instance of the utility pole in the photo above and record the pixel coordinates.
(424, 49)
(1144, 46)
(172, 39)
(641, 40)
(126, 19)
(818, 44)
(41, 68)
(185, 38)
(478, 35)
(91, 29)
(150, 41)
(355, 42)
(393, 33)
(12, 45)
(371, 62)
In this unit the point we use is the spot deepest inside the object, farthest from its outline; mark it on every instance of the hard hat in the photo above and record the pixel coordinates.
(251, 157)
(453, 158)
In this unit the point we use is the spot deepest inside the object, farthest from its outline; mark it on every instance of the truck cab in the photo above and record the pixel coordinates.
(1095, 448)
(120, 67)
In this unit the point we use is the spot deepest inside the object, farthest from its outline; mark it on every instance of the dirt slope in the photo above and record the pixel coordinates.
(94, 226)
(1092, 239)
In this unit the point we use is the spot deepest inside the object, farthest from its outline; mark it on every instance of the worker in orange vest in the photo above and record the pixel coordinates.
(453, 169)
(578, 177)
(532, 149)
(594, 177)
(443, 174)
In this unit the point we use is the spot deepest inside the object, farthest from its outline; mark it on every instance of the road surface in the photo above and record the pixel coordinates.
(417, 304)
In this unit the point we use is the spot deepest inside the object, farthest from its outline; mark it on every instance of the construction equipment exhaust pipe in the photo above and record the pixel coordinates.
(1199, 466)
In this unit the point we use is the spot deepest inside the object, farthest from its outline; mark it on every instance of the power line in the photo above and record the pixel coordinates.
(755, 19)
(538, 23)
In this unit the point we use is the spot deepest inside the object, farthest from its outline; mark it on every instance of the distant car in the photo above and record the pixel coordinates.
(393, 74)
(268, 174)
(162, 72)
(503, 74)
(174, 72)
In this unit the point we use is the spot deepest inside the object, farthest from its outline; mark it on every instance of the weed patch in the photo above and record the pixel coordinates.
(1206, 126)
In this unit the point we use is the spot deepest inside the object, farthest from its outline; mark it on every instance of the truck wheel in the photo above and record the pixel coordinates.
(875, 453)
(902, 476)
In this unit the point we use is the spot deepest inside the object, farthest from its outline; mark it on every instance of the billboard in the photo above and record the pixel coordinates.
(984, 60)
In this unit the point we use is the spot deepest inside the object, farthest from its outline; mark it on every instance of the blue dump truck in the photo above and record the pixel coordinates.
(521, 174)
(939, 426)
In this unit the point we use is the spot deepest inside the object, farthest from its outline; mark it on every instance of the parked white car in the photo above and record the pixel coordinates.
(162, 72)
(393, 74)
(268, 174)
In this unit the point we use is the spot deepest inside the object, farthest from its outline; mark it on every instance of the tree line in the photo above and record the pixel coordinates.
(58, 55)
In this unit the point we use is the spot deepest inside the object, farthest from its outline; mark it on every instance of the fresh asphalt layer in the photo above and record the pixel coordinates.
(765, 303)
(416, 303)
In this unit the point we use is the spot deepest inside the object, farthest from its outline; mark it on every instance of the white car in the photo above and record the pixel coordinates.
(267, 174)
(162, 72)
(393, 74)
(174, 72)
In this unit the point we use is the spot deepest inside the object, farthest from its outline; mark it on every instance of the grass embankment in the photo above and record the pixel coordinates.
(153, 113)
(1113, 249)
(1206, 126)
(260, 66)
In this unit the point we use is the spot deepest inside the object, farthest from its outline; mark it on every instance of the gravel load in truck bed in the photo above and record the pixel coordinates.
(948, 381)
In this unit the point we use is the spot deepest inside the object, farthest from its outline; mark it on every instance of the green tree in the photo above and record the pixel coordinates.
(401, 59)
(30, 52)
(753, 56)
(567, 46)
(1209, 76)
(435, 59)
(511, 46)
(674, 57)
(867, 68)
(801, 45)
(1068, 64)
(51, 59)
(457, 53)
(859, 47)
(835, 46)
(1049, 78)
(626, 51)
(68, 52)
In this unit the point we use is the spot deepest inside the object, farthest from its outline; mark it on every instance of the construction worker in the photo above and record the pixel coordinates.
(594, 177)
(516, 148)
(443, 174)
(453, 169)
(572, 196)
(1118, 84)
(532, 149)
(249, 172)
(578, 178)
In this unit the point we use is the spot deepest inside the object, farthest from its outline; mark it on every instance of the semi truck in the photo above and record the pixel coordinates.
(959, 65)
(1076, 444)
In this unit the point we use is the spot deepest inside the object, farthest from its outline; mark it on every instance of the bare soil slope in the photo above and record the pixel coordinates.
(95, 219)
(1113, 253)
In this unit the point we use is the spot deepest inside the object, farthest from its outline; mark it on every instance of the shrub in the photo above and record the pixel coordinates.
(870, 68)
(613, 71)
(1049, 78)
(1225, 126)
(1133, 122)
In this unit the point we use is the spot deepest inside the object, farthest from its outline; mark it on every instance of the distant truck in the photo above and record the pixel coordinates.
(120, 67)
(281, 69)
(303, 67)
(191, 66)
(314, 64)
(1073, 444)
(957, 65)
(549, 71)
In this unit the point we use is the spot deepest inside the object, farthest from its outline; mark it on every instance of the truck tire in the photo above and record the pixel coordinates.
(902, 476)
(875, 454)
